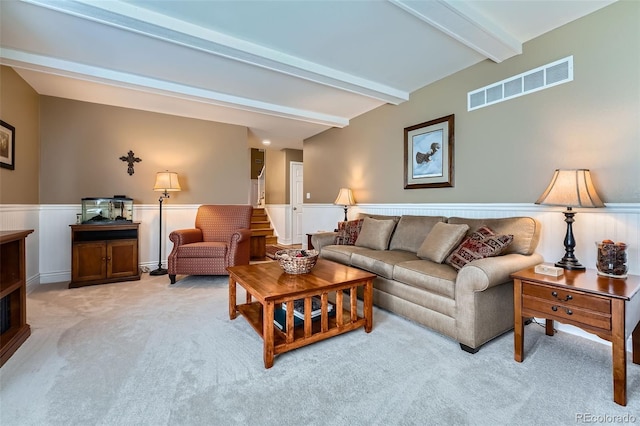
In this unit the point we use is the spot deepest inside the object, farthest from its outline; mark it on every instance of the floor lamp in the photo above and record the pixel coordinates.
(165, 182)
(570, 188)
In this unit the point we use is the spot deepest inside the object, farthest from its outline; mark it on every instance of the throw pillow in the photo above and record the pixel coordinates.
(348, 232)
(375, 234)
(442, 238)
(480, 244)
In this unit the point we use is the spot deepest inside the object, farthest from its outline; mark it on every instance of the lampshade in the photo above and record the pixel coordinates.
(167, 182)
(571, 188)
(345, 197)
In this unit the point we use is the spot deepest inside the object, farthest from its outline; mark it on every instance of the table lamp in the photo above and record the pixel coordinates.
(570, 188)
(345, 198)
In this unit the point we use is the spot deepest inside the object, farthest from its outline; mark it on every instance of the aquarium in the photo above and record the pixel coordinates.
(107, 210)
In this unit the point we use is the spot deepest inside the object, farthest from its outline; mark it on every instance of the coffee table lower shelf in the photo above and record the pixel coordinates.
(253, 313)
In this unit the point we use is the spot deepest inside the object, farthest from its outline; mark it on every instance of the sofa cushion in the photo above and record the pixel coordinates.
(434, 277)
(525, 231)
(482, 243)
(339, 253)
(202, 249)
(375, 234)
(348, 232)
(443, 238)
(412, 230)
(380, 262)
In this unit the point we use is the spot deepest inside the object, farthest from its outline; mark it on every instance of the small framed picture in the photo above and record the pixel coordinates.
(7, 145)
(428, 154)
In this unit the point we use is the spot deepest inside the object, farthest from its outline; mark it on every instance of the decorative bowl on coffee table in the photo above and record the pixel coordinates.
(297, 261)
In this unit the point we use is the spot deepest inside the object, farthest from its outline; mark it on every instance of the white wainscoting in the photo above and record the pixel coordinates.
(49, 253)
(280, 217)
(15, 217)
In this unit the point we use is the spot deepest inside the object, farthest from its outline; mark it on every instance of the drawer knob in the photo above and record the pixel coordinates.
(566, 299)
(554, 308)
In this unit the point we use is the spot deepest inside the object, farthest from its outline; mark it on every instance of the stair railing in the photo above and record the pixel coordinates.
(261, 188)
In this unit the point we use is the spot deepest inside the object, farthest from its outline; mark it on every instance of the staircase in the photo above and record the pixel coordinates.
(261, 233)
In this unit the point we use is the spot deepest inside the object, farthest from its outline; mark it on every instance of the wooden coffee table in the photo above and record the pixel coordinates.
(270, 286)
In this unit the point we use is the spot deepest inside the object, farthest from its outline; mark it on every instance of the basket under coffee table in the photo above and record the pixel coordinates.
(270, 286)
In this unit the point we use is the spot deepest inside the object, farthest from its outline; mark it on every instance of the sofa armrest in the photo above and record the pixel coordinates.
(482, 274)
(185, 236)
(321, 239)
(484, 297)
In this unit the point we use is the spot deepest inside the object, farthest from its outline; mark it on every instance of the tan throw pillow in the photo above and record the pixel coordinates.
(375, 234)
(442, 238)
(482, 243)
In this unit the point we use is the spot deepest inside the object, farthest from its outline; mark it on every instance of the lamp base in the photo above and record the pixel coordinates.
(159, 271)
(569, 264)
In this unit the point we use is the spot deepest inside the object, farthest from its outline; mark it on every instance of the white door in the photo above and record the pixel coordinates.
(296, 198)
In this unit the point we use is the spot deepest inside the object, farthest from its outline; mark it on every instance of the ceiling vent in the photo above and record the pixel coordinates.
(543, 77)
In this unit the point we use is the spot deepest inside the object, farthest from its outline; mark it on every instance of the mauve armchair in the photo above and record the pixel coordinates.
(221, 238)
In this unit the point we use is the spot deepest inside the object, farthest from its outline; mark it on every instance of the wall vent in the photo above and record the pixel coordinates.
(543, 77)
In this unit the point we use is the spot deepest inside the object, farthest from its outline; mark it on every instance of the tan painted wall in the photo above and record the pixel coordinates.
(19, 107)
(82, 143)
(278, 174)
(506, 152)
(275, 187)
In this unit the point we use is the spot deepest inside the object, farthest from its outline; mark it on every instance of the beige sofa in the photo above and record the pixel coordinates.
(471, 305)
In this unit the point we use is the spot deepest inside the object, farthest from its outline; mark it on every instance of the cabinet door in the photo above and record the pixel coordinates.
(89, 261)
(122, 256)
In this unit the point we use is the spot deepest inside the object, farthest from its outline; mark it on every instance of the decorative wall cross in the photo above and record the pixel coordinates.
(130, 159)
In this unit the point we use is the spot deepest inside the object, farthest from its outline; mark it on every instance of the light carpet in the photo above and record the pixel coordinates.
(149, 353)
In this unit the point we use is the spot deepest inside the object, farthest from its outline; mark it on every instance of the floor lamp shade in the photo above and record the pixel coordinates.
(570, 188)
(345, 198)
(165, 182)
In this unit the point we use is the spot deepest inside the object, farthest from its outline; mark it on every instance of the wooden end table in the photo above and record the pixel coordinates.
(607, 307)
(271, 286)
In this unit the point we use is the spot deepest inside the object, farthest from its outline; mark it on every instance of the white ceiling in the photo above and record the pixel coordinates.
(287, 70)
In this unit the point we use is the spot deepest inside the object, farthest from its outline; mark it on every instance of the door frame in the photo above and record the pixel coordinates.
(292, 213)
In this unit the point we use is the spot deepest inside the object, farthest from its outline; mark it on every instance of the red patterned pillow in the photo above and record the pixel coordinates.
(348, 232)
(480, 244)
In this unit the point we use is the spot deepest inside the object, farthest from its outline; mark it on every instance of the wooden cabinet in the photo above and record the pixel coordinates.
(14, 329)
(104, 254)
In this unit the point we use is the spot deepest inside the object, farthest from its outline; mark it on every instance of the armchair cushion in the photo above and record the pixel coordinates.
(203, 249)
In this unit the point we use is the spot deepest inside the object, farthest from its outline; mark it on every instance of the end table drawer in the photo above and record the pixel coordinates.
(570, 299)
(564, 312)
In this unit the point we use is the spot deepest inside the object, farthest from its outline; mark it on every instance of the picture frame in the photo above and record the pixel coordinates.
(428, 154)
(7, 146)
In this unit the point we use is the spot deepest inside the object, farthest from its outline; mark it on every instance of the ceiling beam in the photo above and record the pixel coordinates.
(463, 23)
(143, 21)
(45, 64)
